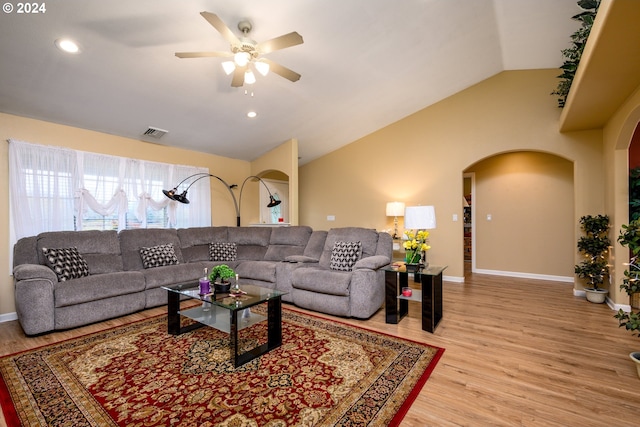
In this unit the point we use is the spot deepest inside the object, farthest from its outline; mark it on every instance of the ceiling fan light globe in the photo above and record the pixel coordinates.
(249, 77)
(228, 67)
(242, 58)
(262, 67)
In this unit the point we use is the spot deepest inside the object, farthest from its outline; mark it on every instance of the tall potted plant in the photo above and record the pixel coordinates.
(594, 245)
(630, 238)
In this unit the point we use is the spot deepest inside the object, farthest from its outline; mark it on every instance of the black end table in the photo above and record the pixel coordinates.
(396, 306)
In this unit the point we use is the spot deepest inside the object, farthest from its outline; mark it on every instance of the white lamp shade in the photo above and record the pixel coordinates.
(262, 67)
(395, 209)
(420, 217)
(228, 67)
(249, 77)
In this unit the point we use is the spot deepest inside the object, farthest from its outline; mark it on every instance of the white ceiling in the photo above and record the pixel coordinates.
(364, 64)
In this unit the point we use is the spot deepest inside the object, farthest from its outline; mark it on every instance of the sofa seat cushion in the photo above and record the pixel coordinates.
(97, 287)
(322, 281)
(257, 270)
(172, 274)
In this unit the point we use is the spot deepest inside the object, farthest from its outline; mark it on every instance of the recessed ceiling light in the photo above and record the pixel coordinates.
(67, 45)
(252, 114)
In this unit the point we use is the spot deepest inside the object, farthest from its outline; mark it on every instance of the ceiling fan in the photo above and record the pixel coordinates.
(246, 53)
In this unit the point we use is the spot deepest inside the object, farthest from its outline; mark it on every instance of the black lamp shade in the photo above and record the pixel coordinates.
(170, 193)
(182, 198)
(273, 202)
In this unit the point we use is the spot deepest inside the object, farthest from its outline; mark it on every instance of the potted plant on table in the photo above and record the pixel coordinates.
(220, 275)
(415, 246)
(594, 245)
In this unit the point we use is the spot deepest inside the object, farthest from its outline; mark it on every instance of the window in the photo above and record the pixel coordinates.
(55, 189)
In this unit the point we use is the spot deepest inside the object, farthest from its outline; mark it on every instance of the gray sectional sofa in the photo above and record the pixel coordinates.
(337, 271)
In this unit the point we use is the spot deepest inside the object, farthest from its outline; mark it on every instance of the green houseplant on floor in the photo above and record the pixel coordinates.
(594, 245)
(630, 238)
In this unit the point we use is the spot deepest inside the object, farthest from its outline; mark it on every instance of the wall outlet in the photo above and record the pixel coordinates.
(455, 217)
(331, 217)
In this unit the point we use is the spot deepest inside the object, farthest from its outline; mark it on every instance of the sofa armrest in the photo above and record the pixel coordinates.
(301, 258)
(33, 271)
(372, 262)
(34, 297)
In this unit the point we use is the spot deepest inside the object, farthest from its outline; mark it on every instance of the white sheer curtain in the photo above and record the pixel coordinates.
(56, 188)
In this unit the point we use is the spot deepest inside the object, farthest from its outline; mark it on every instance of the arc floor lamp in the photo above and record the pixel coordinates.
(182, 197)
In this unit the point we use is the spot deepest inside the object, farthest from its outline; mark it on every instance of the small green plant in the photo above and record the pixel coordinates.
(594, 245)
(223, 272)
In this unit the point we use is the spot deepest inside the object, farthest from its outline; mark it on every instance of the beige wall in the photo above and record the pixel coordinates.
(35, 131)
(421, 159)
(529, 197)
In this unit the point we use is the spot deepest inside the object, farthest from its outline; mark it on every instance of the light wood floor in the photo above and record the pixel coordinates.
(518, 353)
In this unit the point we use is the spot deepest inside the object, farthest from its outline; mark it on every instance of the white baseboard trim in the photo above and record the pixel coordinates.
(7, 317)
(613, 306)
(567, 279)
(455, 279)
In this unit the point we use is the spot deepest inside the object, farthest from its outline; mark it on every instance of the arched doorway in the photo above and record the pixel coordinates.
(525, 199)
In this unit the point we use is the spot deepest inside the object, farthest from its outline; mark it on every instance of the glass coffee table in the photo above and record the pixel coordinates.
(228, 314)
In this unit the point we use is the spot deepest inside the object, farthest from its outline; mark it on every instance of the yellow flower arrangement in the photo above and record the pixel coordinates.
(415, 244)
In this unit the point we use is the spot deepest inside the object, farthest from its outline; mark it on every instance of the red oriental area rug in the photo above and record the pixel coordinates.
(326, 373)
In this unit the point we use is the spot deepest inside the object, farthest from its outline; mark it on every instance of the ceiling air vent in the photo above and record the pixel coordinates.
(154, 133)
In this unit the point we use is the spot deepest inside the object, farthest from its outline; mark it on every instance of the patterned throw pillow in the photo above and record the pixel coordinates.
(67, 263)
(344, 255)
(158, 256)
(222, 251)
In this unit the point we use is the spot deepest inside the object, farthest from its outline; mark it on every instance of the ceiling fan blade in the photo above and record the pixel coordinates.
(281, 70)
(287, 40)
(238, 77)
(203, 54)
(222, 28)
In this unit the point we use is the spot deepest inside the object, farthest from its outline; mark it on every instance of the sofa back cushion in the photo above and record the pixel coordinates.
(131, 241)
(286, 241)
(252, 242)
(367, 237)
(25, 251)
(194, 242)
(100, 249)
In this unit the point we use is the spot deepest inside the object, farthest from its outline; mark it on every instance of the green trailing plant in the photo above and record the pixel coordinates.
(573, 54)
(634, 194)
(223, 272)
(594, 245)
(630, 237)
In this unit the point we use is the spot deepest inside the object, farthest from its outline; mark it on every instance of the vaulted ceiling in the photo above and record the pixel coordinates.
(364, 64)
